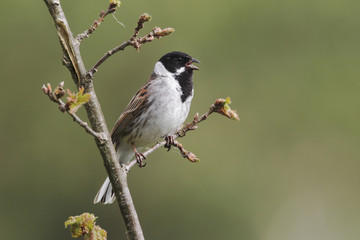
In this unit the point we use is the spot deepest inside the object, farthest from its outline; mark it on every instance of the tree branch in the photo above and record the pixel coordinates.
(220, 106)
(55, 97)
(117, 175)
(111, 9)
(133, 41)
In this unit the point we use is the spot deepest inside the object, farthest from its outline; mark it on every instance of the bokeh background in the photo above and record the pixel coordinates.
(288, 170)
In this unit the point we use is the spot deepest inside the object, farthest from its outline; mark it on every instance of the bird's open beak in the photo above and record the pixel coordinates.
(191, 65)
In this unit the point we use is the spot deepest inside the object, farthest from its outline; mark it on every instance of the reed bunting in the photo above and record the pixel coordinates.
(158, 109)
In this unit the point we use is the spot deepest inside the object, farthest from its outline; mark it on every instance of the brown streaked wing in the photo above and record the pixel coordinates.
(132, 111)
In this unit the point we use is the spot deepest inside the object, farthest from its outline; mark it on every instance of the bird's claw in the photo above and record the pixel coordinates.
(169, 142)
(139, 159)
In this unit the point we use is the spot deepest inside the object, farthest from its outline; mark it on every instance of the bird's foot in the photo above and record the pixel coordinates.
(139, 157)
(169, 142)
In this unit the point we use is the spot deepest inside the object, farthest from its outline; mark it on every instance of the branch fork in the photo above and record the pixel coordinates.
(55, 96)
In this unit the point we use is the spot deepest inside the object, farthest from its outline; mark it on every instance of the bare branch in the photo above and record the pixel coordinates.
(93, 70)
(142, 19)
(55, 97)
(186, 154)
(220, 106)
(111, 9)
(134, 41)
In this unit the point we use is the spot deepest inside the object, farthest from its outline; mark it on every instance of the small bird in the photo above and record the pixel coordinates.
(157, 110)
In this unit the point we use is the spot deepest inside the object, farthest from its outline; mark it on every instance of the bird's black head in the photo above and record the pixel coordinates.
(181, 66)
(174, 61)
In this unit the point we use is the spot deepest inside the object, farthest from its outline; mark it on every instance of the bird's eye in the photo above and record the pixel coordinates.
(180, 60)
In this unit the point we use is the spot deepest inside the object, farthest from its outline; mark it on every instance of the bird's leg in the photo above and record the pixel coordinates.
(139, 157)
(169, 141)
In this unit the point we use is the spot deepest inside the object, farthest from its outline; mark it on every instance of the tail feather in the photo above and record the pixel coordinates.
(105, 195)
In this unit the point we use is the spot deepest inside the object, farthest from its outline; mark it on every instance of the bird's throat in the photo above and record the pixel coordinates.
(185, 80)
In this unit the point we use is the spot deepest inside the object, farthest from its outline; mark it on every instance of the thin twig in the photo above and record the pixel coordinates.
(55, 97)
(93, 70)
(111, 9)
(83, 124)
(140, 24)
(186, 154)
(220, 106)
(134, 41)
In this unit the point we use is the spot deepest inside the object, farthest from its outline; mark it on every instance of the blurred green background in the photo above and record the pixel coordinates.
(288, 170)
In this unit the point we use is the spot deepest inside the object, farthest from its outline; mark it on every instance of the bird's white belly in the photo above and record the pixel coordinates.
(165, 115)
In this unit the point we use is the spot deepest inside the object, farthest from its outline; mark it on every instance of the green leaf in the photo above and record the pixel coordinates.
(99, 233)
(75, 101)
(84, 225)
(226, 104)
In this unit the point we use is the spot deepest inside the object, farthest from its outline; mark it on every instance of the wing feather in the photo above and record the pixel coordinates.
(131, 112)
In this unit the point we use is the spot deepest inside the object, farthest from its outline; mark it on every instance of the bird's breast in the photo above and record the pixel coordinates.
(166, 112)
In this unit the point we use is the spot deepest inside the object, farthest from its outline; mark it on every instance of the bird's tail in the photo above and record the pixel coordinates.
(106, 194)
